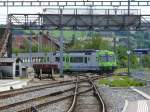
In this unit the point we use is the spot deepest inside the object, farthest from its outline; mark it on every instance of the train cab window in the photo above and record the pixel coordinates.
(104, 58)
(111, 58)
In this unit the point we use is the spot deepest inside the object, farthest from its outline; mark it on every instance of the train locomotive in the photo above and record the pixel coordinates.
(87, 61)
(73, 61)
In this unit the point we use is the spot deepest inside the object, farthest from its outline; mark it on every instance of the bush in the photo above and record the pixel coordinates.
(121, 81)
(146, 61)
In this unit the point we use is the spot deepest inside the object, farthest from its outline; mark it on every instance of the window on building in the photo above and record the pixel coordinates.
(57, 59)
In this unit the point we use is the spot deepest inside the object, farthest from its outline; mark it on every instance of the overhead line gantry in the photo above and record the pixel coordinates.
(77, 21)
(72, 3)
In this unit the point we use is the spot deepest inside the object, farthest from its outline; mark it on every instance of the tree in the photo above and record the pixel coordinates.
(34, 48)
(146, 61)
(123, 57)
(93, 43)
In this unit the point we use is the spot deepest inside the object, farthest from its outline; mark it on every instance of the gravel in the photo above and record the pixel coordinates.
(61, 106)
(86, 102)
(114, 98)
(20, 107)
(141, 75)
(36, 82)
(30, 95)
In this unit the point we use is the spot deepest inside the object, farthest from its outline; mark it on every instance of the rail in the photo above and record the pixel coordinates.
(12, 93)
(74, 98)
(99, 96)
(71, 109)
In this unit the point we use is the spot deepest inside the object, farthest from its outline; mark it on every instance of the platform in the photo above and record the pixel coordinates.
(6, 84)
(138, 106)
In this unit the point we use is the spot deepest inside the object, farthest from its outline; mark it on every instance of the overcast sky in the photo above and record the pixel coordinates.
(3, 10)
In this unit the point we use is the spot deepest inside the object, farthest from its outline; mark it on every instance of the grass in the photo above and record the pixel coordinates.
(121, 81)
(120, 70)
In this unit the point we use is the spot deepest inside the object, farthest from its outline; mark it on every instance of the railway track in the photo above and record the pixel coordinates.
(28, 105)
(12, 93)
(90, 101)
(25, 105)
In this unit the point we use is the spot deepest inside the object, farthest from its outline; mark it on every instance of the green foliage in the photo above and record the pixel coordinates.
(67, 34)
(15, 50)
(46, 49)
(93, 43)
(34, 48)
(120, 70)
(146, 61)
(123, 58)
(134, 61)
(96, 43)
(121, 81)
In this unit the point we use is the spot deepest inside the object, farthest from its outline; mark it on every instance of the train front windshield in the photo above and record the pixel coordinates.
(107, 58)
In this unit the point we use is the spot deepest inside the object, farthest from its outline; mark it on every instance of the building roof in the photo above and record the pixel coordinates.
(7, 59)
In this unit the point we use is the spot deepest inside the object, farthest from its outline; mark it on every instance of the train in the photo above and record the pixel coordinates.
(87, 60)
(73, 61)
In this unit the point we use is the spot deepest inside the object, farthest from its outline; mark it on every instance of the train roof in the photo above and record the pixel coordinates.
(86, 51)
(80, 51)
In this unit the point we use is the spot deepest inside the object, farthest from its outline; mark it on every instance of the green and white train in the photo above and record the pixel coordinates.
(80, 61)
(87, 60)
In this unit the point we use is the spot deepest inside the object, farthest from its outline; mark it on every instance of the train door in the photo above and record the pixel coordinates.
(66, 60)
(97, 61)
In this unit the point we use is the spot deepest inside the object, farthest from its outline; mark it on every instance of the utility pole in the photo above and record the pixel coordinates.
(7, 14)
(61, 43)
(114, 40)
(128, 53)
(128, 7)
(30, 49)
